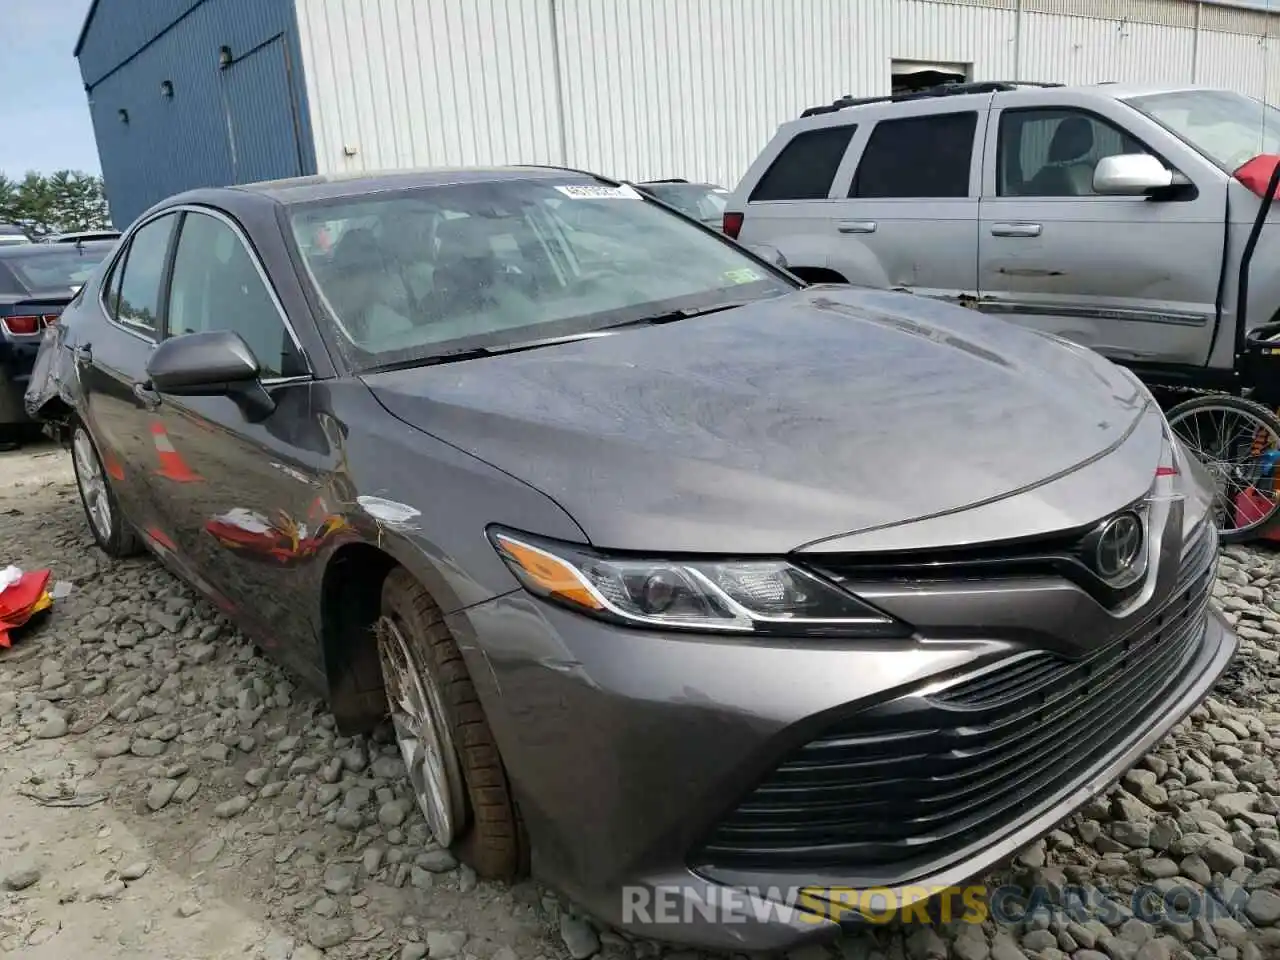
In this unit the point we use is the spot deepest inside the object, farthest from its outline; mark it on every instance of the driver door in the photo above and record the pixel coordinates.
(244, 500)
(1132, 277)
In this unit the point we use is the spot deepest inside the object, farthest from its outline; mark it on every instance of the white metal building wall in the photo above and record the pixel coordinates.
(694, 88)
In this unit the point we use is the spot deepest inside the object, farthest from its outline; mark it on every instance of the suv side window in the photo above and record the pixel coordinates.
(135, 300)
(1053, 152)
(928, 157)
(216, 286)
(806, 166)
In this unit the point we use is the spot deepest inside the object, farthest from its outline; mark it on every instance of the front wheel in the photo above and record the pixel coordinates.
(1238, 441)
(448, 749)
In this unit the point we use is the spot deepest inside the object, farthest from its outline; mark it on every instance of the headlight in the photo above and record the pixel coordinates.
(762, 597)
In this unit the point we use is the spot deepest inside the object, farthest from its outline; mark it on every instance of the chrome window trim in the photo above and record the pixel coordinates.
(127, 242)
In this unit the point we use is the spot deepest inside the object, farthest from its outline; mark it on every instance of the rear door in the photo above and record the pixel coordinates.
(111, 357)
(908, 217)
(1134, 278)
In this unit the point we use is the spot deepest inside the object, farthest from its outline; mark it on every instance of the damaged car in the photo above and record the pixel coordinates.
(676, 578)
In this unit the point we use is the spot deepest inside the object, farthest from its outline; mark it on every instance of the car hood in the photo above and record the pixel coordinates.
(764, 428)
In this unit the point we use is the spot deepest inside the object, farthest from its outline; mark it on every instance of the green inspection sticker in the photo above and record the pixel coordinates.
(743, 275)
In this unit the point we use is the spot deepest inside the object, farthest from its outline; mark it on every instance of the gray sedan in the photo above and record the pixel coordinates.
(683, 584)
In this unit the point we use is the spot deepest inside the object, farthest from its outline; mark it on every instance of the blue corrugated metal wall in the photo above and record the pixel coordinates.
(236, 124)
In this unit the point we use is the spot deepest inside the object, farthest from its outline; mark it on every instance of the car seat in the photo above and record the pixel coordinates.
(466, 268)
(1067, 171)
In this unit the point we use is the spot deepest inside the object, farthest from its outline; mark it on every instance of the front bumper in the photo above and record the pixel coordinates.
(632, 752)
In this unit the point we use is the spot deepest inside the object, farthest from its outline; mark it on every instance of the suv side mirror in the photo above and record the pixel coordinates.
(1130, 175)
(211, 364)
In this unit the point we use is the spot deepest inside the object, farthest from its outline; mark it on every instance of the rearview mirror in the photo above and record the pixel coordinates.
(211, 364)
(1130, 175)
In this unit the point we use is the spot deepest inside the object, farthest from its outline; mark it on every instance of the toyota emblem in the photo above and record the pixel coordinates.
(1118, 546)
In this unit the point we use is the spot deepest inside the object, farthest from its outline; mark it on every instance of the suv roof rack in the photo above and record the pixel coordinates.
(941, 90)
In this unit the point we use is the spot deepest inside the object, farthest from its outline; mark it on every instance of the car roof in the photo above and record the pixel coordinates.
(37, 250)
(336, 185)
(678, 183)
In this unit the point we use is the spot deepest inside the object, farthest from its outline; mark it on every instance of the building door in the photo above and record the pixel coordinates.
(262, 115)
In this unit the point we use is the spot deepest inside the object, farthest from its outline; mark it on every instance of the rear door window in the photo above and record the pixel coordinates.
(918, 157)
(806, 166)
(138, 303)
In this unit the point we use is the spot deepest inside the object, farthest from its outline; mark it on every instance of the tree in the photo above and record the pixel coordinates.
(61, 202)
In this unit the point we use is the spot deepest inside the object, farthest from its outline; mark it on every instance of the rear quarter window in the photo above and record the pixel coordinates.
(806, 167)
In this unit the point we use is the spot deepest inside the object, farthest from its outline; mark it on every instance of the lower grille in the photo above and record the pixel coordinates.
(920, 778)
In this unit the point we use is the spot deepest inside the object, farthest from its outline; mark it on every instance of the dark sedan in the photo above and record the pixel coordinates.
(683, 583)
(36, 282)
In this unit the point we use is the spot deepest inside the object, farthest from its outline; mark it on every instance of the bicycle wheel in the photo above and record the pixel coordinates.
(1238, 441)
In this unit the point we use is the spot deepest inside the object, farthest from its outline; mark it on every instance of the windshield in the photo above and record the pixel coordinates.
(57, 269)
(1228, 128)
(692, 199)
(427, 271)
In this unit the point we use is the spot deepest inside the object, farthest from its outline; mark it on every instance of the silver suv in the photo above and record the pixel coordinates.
(1114, 215)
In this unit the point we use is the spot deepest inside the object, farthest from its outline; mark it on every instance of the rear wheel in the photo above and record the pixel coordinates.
(1238, 441)
(109, 527)
(453, 762)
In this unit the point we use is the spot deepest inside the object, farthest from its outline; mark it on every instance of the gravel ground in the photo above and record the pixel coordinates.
(166, 792)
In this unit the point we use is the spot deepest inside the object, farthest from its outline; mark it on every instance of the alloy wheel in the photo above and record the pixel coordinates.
(93, 484)
(423, 733)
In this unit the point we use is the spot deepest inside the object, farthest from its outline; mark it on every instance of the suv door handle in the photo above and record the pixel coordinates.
(1016, 229)
(856, 226)
(146, 394)
(83, 354)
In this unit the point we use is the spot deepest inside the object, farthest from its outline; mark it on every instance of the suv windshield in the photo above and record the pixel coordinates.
(56, 268)
(1228, 128)
(414, 274)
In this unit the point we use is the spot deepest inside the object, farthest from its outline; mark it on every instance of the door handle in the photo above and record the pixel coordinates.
(83, 354)
(856, 226)
(1016, 229)
(144, 392)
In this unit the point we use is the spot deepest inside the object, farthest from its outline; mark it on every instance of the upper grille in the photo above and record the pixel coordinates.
(920, 778)
(1064, 554)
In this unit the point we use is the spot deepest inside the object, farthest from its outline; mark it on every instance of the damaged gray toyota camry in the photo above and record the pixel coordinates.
(680, 581)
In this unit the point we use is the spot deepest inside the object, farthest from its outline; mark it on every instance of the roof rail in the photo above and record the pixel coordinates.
(941, 90)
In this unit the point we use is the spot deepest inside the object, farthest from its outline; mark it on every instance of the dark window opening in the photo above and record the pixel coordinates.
(806, 167)
(918, 157)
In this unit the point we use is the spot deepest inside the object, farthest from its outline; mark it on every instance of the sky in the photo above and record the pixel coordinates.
(44, 113)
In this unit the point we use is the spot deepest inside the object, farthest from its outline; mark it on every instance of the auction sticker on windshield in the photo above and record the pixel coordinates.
(580, 191)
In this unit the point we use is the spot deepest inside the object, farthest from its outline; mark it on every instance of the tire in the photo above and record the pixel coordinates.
(119, 539)
(1246, 410)
(488, 834)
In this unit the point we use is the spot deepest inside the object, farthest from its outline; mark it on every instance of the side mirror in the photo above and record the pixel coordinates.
(1130, 175)
(212, 364)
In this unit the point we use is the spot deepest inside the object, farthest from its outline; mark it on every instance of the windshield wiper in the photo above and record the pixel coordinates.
(473, 353)
(671, 316)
